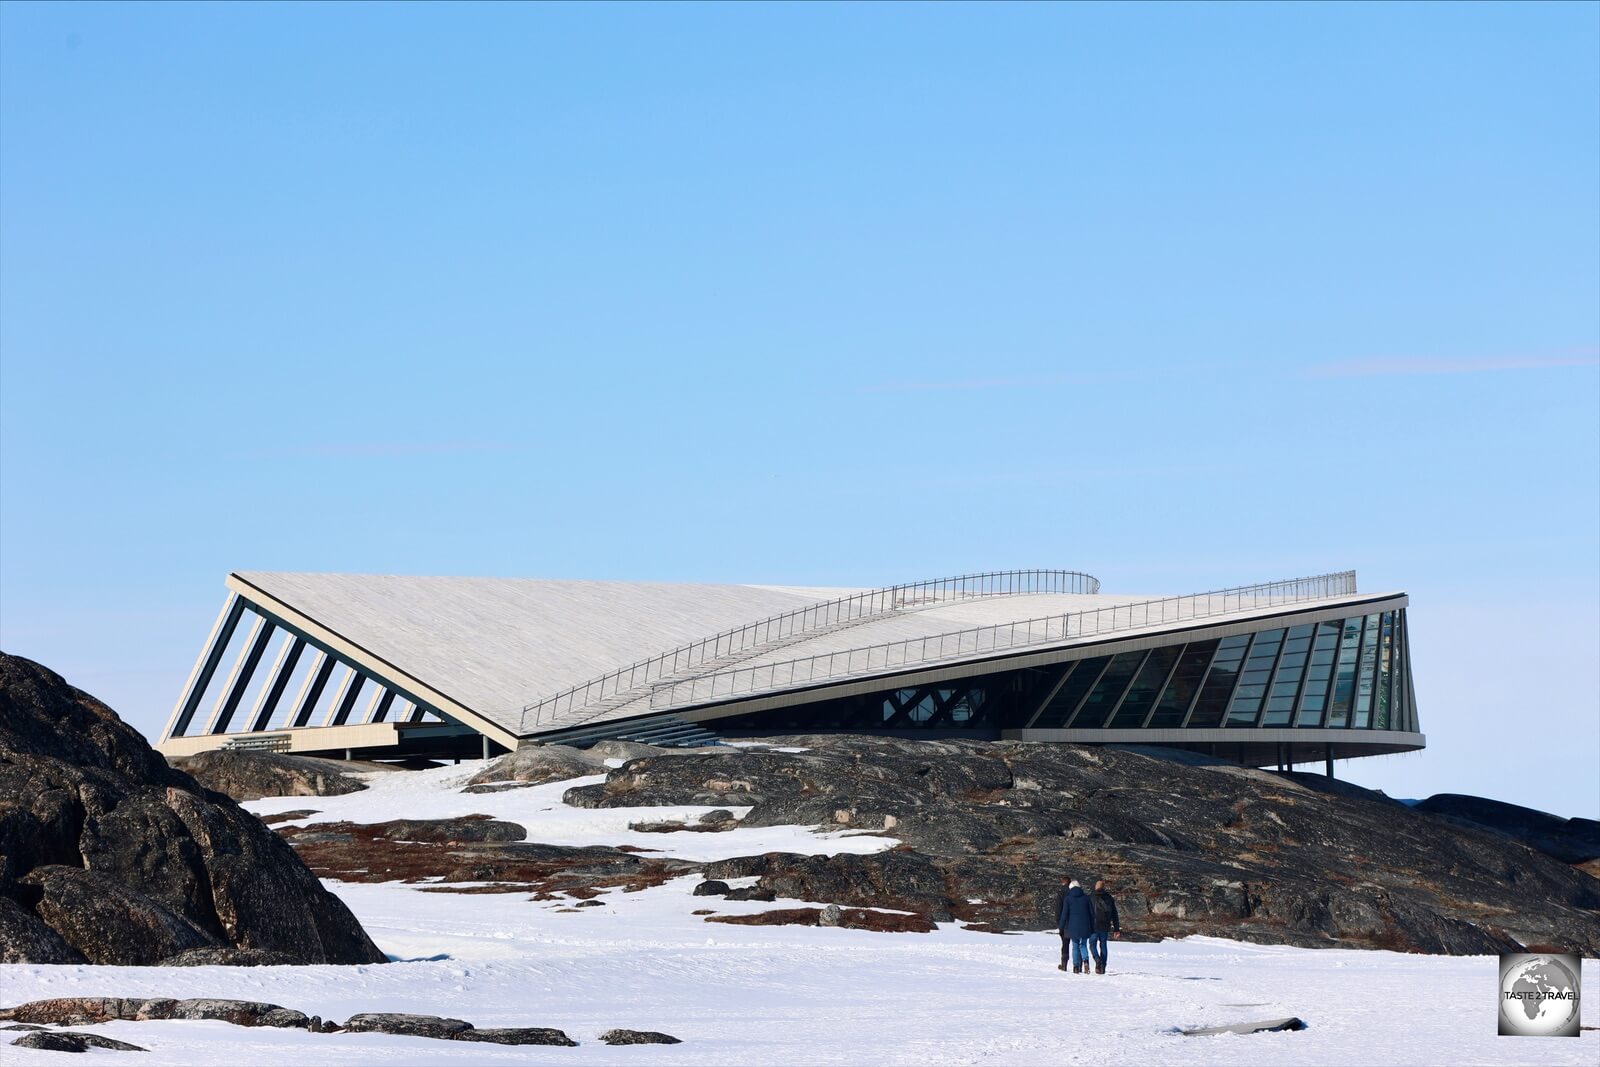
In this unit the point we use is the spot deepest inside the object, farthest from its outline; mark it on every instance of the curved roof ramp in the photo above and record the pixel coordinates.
(727, 682)
(722, 651)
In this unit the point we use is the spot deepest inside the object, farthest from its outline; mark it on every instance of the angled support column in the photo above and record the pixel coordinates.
(278, 680)
(206, 666)
(345, 703)
(383, 702)
(305, 702)
(239, 679)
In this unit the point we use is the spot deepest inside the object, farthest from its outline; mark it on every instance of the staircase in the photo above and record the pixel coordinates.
(668, 732)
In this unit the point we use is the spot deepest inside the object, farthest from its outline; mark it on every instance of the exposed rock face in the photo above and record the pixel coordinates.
(638, 1037)
(68, 1041)
(832, 915)
(536, 764)
(86, 1011)
(1573, 841)
(108, 855)
(447, 1029)
(253, 775)
(1188, 847)
(409, 1025)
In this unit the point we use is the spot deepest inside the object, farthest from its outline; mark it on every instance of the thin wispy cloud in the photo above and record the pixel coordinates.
(1369, 368)
(387, 449)
(969, 384)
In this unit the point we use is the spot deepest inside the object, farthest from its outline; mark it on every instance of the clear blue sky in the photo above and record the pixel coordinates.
(1181, 296)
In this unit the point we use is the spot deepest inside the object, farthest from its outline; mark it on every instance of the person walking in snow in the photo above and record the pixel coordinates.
(1061, 901)
(1106, 922)
(1076, 923)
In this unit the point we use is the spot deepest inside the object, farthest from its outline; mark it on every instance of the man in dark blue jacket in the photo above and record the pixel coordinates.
(1076, 924)
(1105, 922)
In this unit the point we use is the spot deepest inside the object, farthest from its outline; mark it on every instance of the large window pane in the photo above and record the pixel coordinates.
(1253, 683)
(1174, 703)
(1218, 686)
(1385, 694)
(1365, 679)
(1130, 714)
(1344, 675)
(1286, 681)
(1314, 694)
(1107, 691)
(1071, 691)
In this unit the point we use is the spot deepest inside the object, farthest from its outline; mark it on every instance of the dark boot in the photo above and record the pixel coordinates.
(1100, 968)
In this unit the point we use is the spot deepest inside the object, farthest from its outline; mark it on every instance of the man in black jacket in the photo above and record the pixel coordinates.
(1105, 922)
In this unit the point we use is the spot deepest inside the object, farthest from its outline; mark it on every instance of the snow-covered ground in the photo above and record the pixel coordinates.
(786, 995)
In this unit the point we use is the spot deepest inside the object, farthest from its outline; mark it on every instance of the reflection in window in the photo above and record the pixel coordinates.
(1247, 696)
(1107, 691)
(1368, 668)
(1071, 692)
(1344, 675)
(1174, 703)
(1286, 682)
(1319, 672)
(1385, 673)
(1130, 714)
(1219, 682)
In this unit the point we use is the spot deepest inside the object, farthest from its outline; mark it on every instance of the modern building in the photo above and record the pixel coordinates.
(382, 667)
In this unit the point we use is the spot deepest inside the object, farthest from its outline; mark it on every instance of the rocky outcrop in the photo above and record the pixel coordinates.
(69, 1041)
(110, 856)
(832, 915)
(1190, 846)
(537, 764)
(638, 1037)
(87, 1011)
(253, 775)
(447, 1029)
(1574, 841)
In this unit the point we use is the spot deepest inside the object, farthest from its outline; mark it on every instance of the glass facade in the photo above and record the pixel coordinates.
(1348, 673)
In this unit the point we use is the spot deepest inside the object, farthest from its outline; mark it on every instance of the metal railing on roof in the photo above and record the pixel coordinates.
(963, 644)
(856, 607)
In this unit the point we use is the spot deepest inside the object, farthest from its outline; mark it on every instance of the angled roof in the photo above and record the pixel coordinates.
(535, 655)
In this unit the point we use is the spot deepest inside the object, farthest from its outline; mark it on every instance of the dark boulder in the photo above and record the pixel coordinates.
(107, 921)
(408, 1025)
(228, 957)
(70, 1041)
(84, 1011)
(517, 1035)
(253, 775)
(537, 764)
(24, 938)
(467, 828)
(638, 1037)
(711, 888)
(128, 861)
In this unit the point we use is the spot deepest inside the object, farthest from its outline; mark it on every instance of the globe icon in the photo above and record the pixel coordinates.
(1539, 998)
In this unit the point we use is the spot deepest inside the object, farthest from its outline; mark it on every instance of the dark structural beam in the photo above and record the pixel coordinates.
(249, 658)
(206, 666)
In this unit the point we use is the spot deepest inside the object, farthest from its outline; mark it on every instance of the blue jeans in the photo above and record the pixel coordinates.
(1080, 951)
(1097, 947)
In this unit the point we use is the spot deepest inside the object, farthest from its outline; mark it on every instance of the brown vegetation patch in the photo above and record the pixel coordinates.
(354, 852)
